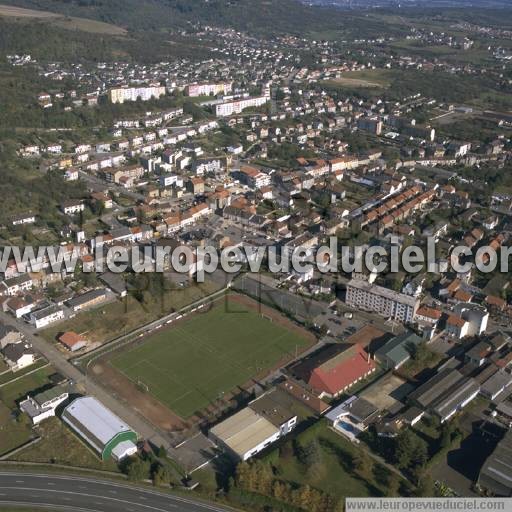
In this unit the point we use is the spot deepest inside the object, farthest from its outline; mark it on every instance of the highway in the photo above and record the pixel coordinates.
(82, 494)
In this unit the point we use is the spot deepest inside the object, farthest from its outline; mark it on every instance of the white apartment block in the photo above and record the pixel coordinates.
(236, 107)
(122, 94)
(363, 295)
(194, 90)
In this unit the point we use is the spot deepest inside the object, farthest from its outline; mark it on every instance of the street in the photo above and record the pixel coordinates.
(90, 495)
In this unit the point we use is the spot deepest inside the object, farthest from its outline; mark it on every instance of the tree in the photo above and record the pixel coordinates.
(410, 451)
(162, 452)
(161, 476)
(138, 470)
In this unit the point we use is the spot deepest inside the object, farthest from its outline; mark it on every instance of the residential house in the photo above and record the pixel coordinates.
(43, 405)
(18, 356)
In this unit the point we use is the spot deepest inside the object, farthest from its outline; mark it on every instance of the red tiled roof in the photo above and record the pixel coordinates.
(341, 371)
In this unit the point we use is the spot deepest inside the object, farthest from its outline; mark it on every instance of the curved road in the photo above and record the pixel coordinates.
(82, 494)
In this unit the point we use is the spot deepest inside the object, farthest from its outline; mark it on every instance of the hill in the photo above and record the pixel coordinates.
(261, 16)
(69, 22)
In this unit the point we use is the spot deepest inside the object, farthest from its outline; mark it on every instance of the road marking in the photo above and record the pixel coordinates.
(198, 504)
(56, 492)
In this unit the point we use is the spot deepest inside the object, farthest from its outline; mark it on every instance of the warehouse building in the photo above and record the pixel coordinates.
(251, 430)
(100, 428)
(496, 474)
(445, 394)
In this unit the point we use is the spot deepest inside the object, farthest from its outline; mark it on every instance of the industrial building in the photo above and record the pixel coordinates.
(252, 429)
(100, 428)
(445, 394)
(496, 474)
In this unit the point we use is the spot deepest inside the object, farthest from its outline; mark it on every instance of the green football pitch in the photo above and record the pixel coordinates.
(192, 364)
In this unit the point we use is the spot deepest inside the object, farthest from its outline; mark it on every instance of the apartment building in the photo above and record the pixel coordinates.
(206, 89)
(122, 94)
(388, 303)
(236, 107)
(253, 177)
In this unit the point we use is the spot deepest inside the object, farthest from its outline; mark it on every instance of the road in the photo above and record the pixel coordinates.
(90, 495)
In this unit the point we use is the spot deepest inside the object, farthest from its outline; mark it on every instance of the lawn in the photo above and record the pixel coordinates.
(196, 362)
(13, 433)
(14, 391)
(10, 375)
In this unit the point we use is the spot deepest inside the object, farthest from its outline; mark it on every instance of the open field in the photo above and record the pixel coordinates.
(87, 25)
(370, 78)
(203, 358)
(71, 450)
(120, 317)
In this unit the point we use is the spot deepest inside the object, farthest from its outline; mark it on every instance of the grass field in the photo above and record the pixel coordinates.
(188, 366)
(72, 451)
(12, 433)
(368, 78)
(14, 391)
(69, 22)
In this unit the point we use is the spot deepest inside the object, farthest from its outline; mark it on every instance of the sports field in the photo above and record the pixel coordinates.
(197, 361)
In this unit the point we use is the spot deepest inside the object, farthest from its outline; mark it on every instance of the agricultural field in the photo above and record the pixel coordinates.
(197, 361)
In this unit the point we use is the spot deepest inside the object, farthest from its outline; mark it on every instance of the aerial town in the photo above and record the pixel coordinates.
(260, 390)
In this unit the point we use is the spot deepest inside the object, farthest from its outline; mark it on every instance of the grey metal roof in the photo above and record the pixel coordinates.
(96, 418)
(496, 473)
(397, 349)
(87, 297)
